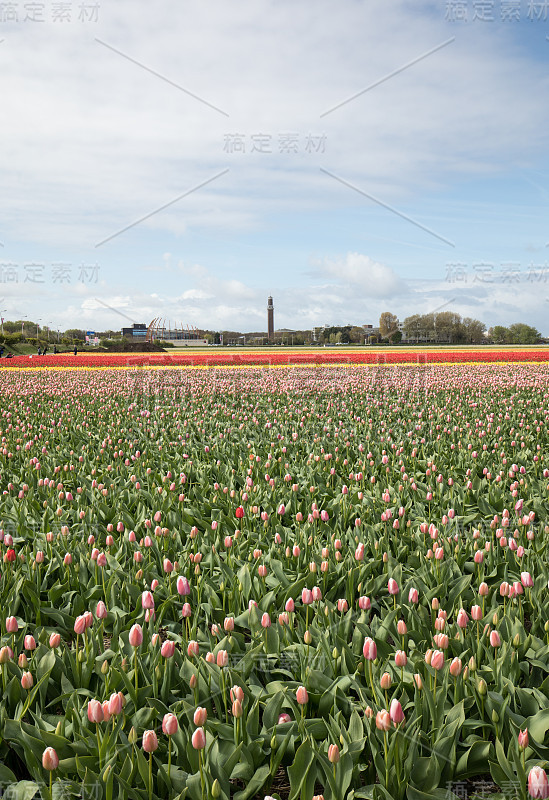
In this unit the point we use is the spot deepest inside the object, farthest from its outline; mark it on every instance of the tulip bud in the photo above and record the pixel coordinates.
(482, 688)
(333, 754)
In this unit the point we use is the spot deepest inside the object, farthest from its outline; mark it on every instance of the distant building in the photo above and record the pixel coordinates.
(179, 336)
(137, 332)
(270, 318)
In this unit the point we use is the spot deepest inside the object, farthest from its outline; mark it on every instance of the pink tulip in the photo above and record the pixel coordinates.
(413, 595)
(437, 659)
(396, 713)
(222, 658)
(50, 759)
(523, 739)
(183, 587)
(101, 610)
(193, 648)
(476, 613)
(27, 681)
(115, 704)
(147, 600)
(306, 597)
(364, 603)
(55, 640)
(462, 618)
(495, 639)
(200, 716)
(186, 611)
(237, 693)
(301, 695)
(455, 667)
(383, 720)
(79, 625)
(136, 635)
(400, 658)
(168, 649)
(170, 724)
(385, 681)
(95, 711)
(526, 580)
(538, 785)
(392, 586)
(150, 741)
(198, 739)
(333, 754)
(29, 642)
(369, 649)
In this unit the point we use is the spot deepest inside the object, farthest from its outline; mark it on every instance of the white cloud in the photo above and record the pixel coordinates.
(356, 271)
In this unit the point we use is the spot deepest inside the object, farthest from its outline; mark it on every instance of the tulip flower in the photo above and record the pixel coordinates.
(198, 739)
(369, 649)
(413, 596)
(538, 785)
(333, 754)
(383, 720)
(27, 681)
(301, 696)
(396, 713)
(168, 649)
(400, 658)
(136, 635)
(50, 762)
(11, 625)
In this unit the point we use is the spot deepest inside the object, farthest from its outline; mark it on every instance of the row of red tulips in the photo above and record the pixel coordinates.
(292, 358)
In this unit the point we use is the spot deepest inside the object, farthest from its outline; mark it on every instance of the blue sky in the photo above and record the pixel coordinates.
(188, 159)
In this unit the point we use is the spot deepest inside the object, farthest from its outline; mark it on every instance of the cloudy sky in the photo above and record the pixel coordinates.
(187, 158)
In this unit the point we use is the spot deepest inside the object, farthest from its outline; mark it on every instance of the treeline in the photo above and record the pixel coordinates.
(519, 333)
(448, 327)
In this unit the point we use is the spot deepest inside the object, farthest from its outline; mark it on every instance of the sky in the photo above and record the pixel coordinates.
(188, 158)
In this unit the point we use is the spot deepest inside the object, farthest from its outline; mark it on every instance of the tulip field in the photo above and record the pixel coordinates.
(297, 583)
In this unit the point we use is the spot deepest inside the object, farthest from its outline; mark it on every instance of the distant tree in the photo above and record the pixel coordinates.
(473, 331)
(388, 324)
(75, 333)
(12, 327)
(357, 335)
(499, 334)
(520, 333)
(447, 326)
(411, 326)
